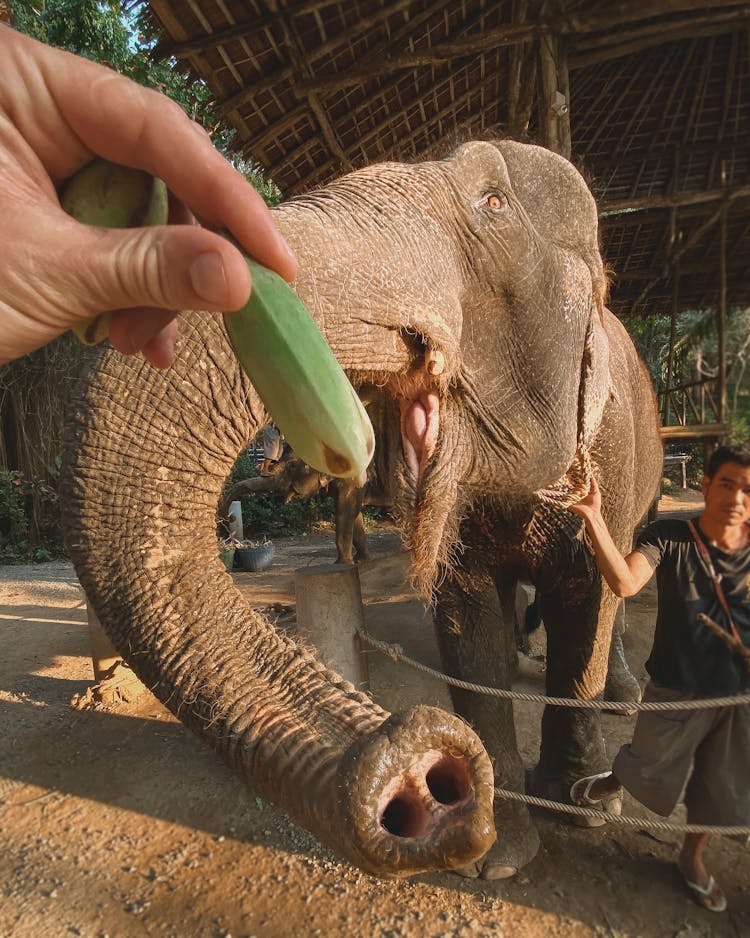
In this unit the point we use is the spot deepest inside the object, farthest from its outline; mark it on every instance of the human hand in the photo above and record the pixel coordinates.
(57, 111)
(590, 506)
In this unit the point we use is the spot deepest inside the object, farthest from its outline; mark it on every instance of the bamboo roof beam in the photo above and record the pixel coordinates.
(300, 111)
(698, 197)
(687, 245)
(291, 41)
(660, 33)
(288, 73)
(444, 52)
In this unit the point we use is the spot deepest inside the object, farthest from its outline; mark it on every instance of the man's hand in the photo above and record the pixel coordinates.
(625, 576)
(590, 506)
(58, 111)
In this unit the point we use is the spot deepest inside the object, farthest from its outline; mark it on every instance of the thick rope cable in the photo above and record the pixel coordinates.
(396, 653)
(644, 823)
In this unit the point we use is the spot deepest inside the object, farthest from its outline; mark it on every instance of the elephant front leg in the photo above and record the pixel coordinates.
(351, 539)
(578, 615)
(622, 685)
(474, 644)
(359, 540)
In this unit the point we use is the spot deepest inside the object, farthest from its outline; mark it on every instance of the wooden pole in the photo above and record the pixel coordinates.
(563, 81)
(514, 70)
(554, 111)
(548, 89)
(104, 655)
(329, 613)
(672, 330)
(721, 314)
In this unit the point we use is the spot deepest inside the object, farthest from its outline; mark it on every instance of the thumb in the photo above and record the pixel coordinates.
(170, 267)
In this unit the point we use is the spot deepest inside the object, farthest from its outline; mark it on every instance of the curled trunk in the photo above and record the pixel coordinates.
(147, 454)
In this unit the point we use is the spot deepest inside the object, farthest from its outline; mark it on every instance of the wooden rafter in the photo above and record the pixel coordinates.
(659, 103)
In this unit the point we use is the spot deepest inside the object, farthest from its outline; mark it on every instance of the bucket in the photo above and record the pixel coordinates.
(255, 559)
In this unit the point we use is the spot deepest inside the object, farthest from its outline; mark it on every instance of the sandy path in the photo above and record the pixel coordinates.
(122, 824)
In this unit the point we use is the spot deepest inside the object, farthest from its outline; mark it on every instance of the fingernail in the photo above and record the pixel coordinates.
(168, 349)
(209, 278)
(287, 247)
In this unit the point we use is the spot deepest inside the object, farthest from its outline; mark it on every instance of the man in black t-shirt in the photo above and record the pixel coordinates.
(702, 567)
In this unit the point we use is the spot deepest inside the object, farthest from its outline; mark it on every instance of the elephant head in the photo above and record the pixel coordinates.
(472, 289)
(468, 289)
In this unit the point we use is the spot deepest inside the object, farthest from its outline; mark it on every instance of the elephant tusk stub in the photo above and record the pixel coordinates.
(434, 361)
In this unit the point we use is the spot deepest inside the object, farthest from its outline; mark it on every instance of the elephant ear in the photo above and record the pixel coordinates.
(559, 203)
(595, 386)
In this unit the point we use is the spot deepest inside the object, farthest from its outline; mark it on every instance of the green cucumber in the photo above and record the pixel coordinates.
(298, 378)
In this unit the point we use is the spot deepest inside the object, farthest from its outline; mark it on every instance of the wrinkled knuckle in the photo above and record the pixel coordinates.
(140, 271)
(156, 275)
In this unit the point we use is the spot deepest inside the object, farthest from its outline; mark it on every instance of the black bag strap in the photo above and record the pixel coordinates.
(715, 578)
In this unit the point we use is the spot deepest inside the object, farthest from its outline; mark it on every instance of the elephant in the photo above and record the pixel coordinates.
(293, 478)
(470, 291)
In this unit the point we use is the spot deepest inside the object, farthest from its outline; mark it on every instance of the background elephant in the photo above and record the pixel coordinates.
(469, 291)
(292, 478)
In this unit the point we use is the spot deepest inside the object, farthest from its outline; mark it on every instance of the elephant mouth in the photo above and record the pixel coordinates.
(418, 394)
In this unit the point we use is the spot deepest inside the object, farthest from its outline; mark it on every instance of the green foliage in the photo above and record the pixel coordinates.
(695, 355)
(257, 178)
(122, 36)
(14, 528)
(17, 497)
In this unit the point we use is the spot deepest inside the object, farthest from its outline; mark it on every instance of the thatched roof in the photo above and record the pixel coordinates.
(658, 94)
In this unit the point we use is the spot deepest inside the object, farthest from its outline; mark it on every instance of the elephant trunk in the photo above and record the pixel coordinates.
(146, 457)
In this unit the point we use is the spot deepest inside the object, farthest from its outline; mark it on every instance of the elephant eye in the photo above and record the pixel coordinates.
(496, 201)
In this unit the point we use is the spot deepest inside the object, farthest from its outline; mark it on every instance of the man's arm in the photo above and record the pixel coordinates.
(625, 576)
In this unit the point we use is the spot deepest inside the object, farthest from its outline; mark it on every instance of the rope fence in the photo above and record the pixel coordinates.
(396, 653)
(643, 823)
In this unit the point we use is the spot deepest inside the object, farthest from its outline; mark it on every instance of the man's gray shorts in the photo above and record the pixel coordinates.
(715, 743)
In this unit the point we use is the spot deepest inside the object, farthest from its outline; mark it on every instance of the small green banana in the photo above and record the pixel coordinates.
(298, 378)
(111, 196)
(274, 337)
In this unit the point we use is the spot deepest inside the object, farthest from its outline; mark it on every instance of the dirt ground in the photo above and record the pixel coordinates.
(120, 823)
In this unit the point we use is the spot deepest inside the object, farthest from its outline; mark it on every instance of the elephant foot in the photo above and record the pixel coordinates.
(517, 844)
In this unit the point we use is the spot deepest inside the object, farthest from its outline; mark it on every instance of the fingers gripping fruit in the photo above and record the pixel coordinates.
(276, 340)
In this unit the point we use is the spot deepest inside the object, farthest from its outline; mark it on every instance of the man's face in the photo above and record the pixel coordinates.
(727, 494)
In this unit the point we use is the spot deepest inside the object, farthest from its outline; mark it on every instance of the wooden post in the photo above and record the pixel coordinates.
(554, 110)
(563, 83)
(672, 329)
(721, 316)
(116, 683)
(514, 69)
(547, 90)
(236, 529)
(329, 613)
(104, 655)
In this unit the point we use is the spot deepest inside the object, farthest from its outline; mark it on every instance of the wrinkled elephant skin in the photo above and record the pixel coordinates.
(470, 292)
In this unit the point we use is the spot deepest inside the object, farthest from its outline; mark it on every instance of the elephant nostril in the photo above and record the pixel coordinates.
(405, 816)
(420, 800)
(449, 780)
